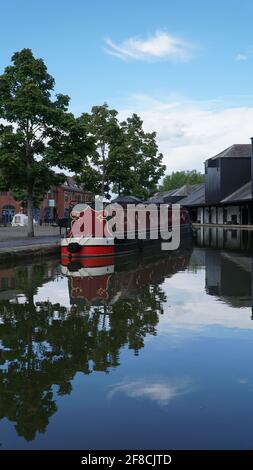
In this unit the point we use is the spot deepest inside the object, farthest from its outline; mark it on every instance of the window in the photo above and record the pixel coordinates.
(66, 196)
(87, 198)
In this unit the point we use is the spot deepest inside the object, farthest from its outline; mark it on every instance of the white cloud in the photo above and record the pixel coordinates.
(190, 132)
(161, 392)
(242, 56)
(161, 45)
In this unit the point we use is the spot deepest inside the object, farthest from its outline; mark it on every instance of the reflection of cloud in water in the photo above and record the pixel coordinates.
(55, 291)
(194, 285)
(243, 380)
(162, 392)
(191, 308)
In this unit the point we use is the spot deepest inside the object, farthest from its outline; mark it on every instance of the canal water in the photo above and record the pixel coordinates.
(154, 352)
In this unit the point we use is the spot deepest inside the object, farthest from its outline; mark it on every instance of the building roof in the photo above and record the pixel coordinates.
(176, 193)
(183, 191)
(234, 151)
(244, 193)
(127, 200)
(71, 184)
(197, 196)
(160, 195)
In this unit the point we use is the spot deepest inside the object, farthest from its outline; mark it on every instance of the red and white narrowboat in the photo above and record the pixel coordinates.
(91, 237)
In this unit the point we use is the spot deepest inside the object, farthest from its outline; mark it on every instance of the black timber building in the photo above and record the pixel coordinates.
(226, 195)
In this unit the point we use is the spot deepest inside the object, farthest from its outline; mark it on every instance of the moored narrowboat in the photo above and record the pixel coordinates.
(93, 233)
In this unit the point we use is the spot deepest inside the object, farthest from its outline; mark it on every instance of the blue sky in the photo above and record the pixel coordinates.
(185, 66)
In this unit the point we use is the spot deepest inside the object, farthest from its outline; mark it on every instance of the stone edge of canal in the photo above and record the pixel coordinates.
(23, 252)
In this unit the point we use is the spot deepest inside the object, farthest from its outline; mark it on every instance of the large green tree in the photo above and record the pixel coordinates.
(142, 158)
(126, 159)
(36, 131)
(181, 178)
(102, 125)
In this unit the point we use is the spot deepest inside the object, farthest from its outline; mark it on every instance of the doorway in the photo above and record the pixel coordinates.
(8, 213)
(245, 216)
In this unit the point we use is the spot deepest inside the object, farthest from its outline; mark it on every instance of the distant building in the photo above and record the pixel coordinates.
(57, 202)
(226, 195)
(60, 199)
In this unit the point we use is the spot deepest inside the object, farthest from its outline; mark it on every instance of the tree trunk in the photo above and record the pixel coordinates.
(103, 171)
(30, 232)
(29, 160)
(103, 186)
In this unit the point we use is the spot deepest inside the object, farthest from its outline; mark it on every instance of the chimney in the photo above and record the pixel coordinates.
(251, 166)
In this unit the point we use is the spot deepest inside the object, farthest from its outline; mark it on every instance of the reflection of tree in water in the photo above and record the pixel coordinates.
(43, 345)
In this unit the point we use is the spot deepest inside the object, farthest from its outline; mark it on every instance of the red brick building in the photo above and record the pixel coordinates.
(56, 204)
(60, 199)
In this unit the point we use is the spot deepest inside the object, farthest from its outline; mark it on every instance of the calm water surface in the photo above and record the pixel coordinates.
(152, 353)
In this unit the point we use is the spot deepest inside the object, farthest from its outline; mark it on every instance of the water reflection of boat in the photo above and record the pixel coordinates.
(111, 282)
(89, 283)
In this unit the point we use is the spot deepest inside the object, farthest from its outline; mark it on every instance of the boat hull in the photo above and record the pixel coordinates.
(87, 247)
(92, 247)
